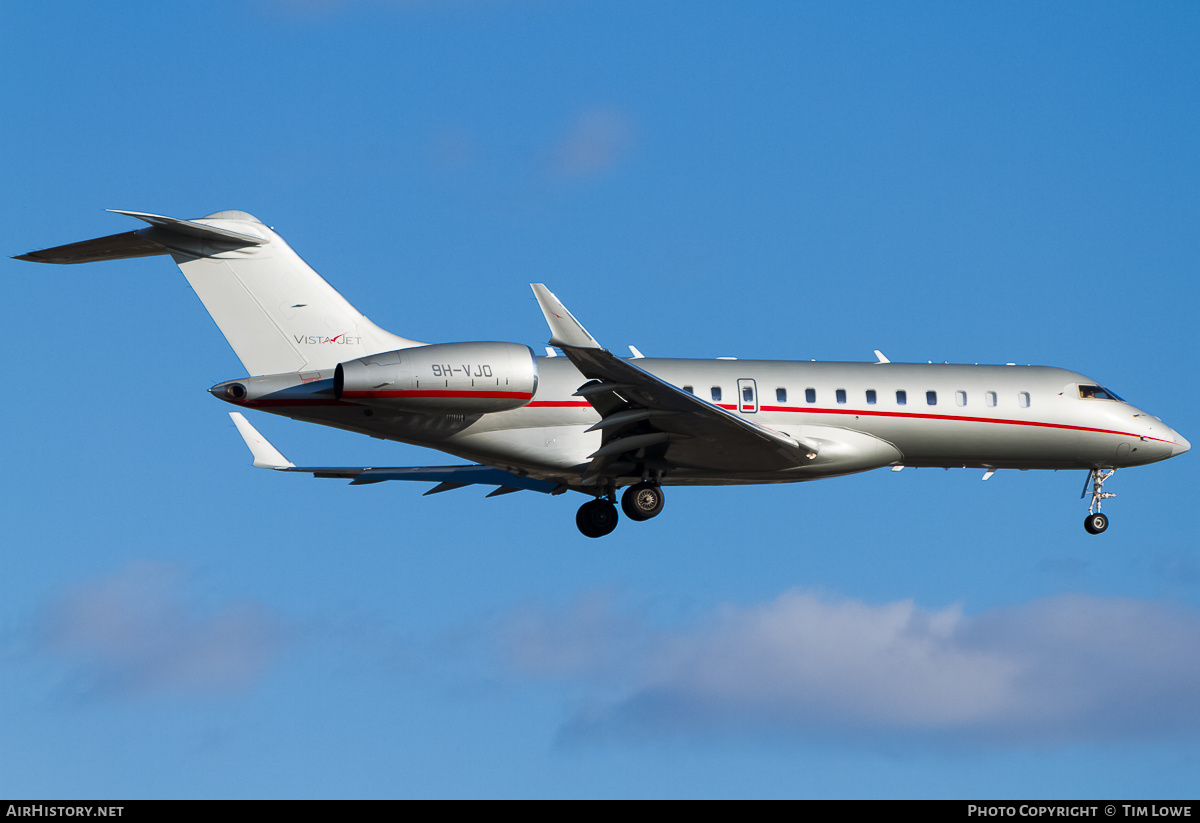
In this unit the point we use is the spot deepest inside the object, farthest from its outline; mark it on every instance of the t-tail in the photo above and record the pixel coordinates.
(276, 312)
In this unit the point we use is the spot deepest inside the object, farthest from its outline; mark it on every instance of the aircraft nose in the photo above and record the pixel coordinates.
(1180, 445)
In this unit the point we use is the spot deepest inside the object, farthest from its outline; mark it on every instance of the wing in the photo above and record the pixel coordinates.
(649, 422)
(267, 456)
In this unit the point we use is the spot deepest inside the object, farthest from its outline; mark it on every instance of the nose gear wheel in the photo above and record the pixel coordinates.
(1095, 523)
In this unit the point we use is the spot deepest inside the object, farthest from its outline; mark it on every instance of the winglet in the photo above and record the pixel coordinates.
(266, 456)
(565, 330)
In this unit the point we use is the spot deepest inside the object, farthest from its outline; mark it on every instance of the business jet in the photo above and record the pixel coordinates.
(591, 422)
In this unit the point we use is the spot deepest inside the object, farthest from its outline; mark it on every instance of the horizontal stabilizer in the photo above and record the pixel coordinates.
(194, 228)
(163, 238)
(278, 315)
(113, 247)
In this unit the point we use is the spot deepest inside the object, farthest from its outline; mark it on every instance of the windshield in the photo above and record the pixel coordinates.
(1097, 393)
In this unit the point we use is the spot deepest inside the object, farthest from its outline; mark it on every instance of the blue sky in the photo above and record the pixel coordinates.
(943, 181)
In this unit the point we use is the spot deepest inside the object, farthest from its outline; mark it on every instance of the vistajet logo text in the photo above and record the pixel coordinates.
(342, 339)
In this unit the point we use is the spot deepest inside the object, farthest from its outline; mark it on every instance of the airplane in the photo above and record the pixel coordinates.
(595, 423)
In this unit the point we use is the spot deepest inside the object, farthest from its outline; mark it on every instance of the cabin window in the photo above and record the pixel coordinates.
(781, 395)
(901, 397)
(810, 395)
(871, 397)
(931, 398)
(989, 397)
(960, 397)
(716, 394)
(841, 395)
(689, 390)
(1023, 399)
(747, 394)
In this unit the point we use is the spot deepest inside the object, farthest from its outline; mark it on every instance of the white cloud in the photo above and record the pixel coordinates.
(597, 140)
(1065, 669)
(588, 640)
(131, 633)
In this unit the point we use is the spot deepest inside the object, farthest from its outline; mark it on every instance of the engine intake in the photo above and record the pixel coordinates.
(444, 378)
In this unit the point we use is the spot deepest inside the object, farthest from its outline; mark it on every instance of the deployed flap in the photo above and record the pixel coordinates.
(700, 434)
(458, 475)
(679, 431)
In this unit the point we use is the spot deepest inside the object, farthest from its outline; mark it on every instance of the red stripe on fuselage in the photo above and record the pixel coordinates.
(503, 395)
(958, 418)
(556, 404)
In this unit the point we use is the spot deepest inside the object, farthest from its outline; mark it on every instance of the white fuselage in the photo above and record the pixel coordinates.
(881, 414)
(592, 422)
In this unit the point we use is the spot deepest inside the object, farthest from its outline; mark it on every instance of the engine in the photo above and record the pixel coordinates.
(444, 378)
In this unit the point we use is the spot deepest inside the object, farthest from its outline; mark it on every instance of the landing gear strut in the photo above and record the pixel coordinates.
(1095, 522)
(596, 518)
(642, 501)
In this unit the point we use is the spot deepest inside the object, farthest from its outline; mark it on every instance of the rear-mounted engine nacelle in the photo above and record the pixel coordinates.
(445, 378)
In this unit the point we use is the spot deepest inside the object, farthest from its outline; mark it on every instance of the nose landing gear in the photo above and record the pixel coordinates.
(1095, 522)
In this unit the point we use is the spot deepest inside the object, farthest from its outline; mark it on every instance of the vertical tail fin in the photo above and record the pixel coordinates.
(276, 312)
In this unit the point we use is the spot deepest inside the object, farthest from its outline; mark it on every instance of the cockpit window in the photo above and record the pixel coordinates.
(1097, 393)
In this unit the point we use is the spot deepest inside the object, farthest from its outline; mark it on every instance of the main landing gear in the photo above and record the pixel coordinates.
(643, 501)
(598, 517)
(1095, 522)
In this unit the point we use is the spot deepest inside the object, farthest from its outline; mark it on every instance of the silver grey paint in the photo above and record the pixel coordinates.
(281, 316)
(1058, 430)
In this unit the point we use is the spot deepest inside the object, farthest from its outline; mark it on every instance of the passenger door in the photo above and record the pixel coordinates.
(747, 396)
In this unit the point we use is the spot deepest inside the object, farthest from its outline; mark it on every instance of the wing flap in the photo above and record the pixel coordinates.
(659, 424)
(267, 456)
